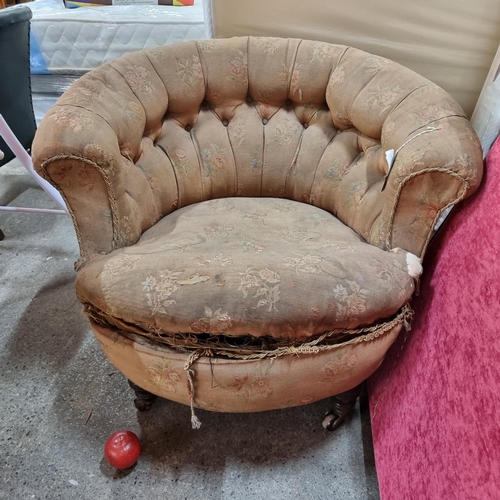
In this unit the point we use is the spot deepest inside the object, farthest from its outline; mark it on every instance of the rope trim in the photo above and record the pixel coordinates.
(311, 347)
(195, 421)
(328, 341)
(111, 197)
(402, 184)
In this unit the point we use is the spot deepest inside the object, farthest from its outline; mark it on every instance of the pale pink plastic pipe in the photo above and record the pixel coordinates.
(18, 149)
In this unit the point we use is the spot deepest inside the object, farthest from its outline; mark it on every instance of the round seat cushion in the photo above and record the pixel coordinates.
(246, 266)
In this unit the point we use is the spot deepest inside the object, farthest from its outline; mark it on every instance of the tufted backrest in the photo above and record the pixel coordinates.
(310, 121)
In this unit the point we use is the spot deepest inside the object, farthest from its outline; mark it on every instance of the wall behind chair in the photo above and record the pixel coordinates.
(451, 42)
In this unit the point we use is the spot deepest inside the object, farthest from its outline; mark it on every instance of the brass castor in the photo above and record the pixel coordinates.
(343, 404)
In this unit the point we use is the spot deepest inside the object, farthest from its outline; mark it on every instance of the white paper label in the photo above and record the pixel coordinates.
(389, 156)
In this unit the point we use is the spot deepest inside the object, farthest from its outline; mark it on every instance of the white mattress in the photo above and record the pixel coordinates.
(73, 41)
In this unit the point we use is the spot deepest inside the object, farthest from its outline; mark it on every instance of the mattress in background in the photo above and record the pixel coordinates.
(74, 41)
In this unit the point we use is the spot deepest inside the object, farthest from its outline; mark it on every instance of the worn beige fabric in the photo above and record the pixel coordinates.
(234, 188)
(309, 121)
(236, 385)
(247, 266)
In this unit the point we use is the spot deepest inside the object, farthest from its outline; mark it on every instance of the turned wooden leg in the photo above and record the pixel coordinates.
(343, 404)
(144, 399)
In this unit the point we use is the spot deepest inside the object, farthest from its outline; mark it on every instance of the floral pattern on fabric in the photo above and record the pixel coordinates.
(208, 46)
(322, 52)
(215, 230)
(337, 169)
(254, 218)
(122, 265)
(94, 152)
(159, 289)
(190, 71)
(376, 64)
(125, 231)
(250, 386)
(269, 46)
(283, 76)
(238, 69)
(351, 299)
(256, 164)
(286, 131)
(382, 99)
(341, 366)
(163, 376)
(305, 264)
(223, 260)
(214, 160)
(266, 285)
(139, 80)
(284, 208)
(391, 276)
(430, 113)
(355, 195)
(337, 77)
(240, 266)
(213, 322)
(134, 112)
(180, 160)
(73, 119)
(239, 132)
(253, 246)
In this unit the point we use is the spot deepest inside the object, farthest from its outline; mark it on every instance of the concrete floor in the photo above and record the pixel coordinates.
(60, 399)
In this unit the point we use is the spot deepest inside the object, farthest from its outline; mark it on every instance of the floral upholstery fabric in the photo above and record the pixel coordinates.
(247, 266)
(239, 385)
(309, 121)
(241, 187)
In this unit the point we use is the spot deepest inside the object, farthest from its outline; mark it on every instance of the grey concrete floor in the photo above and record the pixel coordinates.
(60, 399)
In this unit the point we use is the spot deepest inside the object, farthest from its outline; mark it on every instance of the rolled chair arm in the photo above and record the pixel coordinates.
(437, 163)
(89, 147)
(78, 154)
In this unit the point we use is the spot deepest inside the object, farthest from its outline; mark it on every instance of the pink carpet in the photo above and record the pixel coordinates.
(435, 403)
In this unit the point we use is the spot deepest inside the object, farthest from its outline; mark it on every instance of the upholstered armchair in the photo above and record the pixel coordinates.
(252, 214)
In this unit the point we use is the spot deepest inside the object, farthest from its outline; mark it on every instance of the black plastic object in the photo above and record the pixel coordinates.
(15, 84)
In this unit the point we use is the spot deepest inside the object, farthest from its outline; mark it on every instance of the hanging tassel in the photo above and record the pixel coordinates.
(195, 421)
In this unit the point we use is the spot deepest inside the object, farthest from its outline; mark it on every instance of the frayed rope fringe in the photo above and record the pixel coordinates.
(195, 421)
(319, 344)
(405, 318)
(362, 334)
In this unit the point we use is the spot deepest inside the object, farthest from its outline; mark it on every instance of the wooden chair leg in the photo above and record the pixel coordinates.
(144, 399)
(343, 404)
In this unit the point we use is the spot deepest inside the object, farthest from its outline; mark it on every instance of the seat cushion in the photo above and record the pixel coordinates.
(246, 266)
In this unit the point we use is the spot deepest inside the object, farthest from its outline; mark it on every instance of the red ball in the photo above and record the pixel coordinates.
(122, 449)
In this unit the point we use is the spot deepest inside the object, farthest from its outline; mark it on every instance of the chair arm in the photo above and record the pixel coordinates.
(436, 165)
(89, 147)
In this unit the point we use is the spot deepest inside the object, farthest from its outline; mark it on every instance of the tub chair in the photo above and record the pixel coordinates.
(252, 214)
